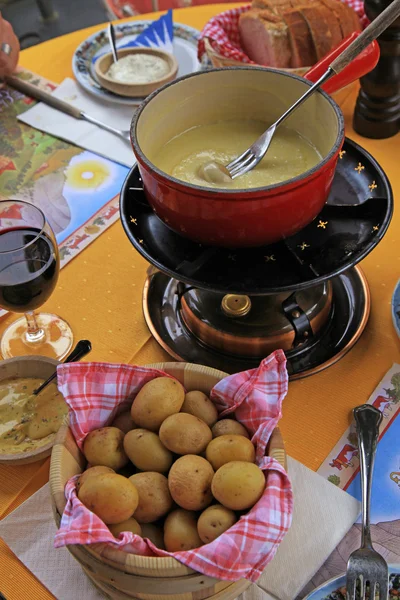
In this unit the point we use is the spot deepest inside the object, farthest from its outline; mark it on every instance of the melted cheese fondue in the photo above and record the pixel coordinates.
(26, 421)
(289, 154)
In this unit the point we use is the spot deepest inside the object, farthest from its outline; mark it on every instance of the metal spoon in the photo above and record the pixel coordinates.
(82, 348)
(18, 434)
(218, 173)
(111, 38)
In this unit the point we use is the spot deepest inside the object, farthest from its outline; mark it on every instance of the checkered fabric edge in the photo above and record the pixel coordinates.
(222, 32)
(95, 392)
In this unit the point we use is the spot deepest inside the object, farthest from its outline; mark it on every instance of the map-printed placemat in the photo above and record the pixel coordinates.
(77, 190)
(342, 468)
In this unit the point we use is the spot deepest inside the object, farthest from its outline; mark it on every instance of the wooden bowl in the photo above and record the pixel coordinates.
(123, 575)
(134, 89)
(39, 367)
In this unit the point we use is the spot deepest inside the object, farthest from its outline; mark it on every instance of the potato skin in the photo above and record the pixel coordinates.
(154, 534)
(129, 525)
(104, 447)
(189, 482)
(213, 521)
(238, 485)
(111, 497)
(157, 400)
(124, 422)
(154, 497)
(92, 472)
(228, 448)
(145, 450)
(229, 427)
(185, 434)
(180, 531)
(198, 404)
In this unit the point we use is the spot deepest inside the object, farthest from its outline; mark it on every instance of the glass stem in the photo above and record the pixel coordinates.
(34, 333)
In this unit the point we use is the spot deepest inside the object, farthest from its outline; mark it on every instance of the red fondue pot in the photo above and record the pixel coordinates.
(243, 217)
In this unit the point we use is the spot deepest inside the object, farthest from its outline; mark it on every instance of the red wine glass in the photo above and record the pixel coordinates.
(29, 269)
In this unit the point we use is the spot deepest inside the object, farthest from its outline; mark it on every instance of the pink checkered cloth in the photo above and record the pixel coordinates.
(95, 392)
(223, 32)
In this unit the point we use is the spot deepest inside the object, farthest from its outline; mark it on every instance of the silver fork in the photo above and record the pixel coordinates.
(34, 92)
(251, 157)
(366, 565)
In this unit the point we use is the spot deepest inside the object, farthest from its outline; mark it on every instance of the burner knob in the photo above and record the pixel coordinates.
(234, 305)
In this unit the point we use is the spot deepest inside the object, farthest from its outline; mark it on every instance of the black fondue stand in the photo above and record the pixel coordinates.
(377, 112)
(229, 308)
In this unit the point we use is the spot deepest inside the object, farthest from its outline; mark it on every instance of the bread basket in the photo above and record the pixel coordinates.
(121, 575)
(219, 61)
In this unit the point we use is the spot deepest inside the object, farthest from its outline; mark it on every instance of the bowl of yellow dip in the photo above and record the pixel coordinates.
(138, 71)
(28, 423)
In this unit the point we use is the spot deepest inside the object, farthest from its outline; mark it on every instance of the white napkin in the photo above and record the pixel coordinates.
(323, 514)
(80, 132)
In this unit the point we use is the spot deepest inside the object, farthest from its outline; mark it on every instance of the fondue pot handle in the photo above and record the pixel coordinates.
(361, 65)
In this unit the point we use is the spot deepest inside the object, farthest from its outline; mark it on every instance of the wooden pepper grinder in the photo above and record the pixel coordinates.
(377, 112)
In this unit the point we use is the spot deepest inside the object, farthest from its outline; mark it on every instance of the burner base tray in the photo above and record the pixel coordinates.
(351, 308)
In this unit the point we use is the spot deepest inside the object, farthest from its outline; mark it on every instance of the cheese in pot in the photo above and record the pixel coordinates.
(138, 68)
(27, 421)
(289, 154)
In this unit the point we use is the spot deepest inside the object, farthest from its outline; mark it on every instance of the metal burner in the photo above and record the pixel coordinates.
(254, 327)
(339, 313)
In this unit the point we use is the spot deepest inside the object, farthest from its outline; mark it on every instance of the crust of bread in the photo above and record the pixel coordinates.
(303, 49)
(345, 15)
(319, 29)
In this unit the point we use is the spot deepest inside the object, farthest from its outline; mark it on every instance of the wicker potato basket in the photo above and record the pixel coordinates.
(218, 61)
(120, 575)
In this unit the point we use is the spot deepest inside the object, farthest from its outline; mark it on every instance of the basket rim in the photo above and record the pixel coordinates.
(110, 553)
(210, 51)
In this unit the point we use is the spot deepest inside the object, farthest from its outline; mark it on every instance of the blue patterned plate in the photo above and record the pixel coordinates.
(330, 590)
(396, 308)
(184, 44)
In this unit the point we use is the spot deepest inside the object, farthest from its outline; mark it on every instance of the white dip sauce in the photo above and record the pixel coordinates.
(138, 68)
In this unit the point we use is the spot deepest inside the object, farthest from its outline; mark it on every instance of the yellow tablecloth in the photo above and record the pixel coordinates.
(100, 292)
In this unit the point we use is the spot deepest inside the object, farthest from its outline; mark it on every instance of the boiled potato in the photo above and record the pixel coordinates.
(129, 525)
(92, 471)
(227, 448)
(111, 497)
(104, 446)
(146, 451)
(213, 521)
(154, 497)
(238, 485)
(124, 421)
(180, 531)
(200, 405)
(157, 400)
(154, 534)
(189, 482)
(229, 427)
(185, 434)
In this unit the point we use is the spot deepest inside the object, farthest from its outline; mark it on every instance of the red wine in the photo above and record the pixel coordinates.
(28, 273)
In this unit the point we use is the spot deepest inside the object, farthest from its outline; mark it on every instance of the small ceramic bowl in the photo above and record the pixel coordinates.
(134, 89)
(39, 367)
